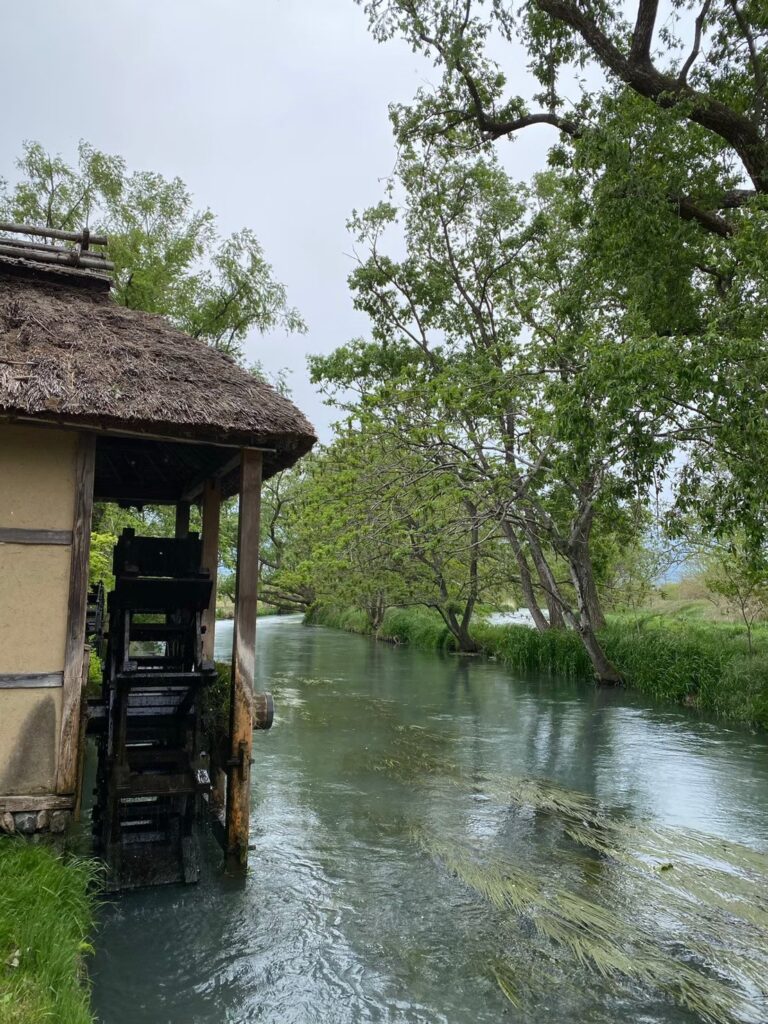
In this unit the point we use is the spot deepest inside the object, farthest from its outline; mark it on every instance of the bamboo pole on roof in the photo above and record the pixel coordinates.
(65, 236)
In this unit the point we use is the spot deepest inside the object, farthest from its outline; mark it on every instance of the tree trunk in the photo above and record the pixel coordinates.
(583, 581)
(554, 608)
(581, 562)
(605, 672)
(591, 596)
(459, 630)
(526, 582)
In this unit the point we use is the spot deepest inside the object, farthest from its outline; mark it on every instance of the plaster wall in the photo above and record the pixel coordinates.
(37, 484)
(37, 477)
(29, 731)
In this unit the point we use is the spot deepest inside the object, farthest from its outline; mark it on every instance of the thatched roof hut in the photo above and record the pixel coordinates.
(103, 403)
(70, 355)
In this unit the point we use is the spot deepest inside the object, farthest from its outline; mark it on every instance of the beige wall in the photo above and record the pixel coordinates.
(37, 478)
(29, 732)
(34, 590)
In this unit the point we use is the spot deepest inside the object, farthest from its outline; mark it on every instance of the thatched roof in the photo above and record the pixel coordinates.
(70, 354)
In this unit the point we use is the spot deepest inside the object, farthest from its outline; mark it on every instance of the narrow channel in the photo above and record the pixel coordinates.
(394, 779)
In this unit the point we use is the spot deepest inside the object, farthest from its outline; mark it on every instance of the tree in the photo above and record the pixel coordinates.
(168, 257)
(376, 527)
(714, 86)
(499, 357)
(740, 578)
(664, 129)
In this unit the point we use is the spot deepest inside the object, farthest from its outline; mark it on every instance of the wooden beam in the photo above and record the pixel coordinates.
(46, 802)
(243, 661)
(210, 558)
(194, 490)
(67, 769)
(181, 529)
(28, 680)
(13, 535)
(109, 431)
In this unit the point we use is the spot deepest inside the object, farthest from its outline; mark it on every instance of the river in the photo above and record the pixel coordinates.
(435, 839)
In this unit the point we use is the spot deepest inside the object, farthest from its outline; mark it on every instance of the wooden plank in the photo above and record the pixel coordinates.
(210, 558)
(67, 769)
(243, 661)
(82, 732)
(12, 535)
(63, 257)
(29, 680)
(46, 802)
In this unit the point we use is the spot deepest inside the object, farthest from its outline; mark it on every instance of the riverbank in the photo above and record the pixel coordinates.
(705, 665)
(46, 915)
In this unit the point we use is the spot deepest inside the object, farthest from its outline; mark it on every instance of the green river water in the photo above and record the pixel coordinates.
(436, 839)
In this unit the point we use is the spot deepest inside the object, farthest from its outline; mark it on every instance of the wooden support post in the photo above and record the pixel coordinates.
(243, 661)
(67, 767)
(211, 518)
(182, 519)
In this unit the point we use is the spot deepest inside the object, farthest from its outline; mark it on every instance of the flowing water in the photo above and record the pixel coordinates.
(436, 839)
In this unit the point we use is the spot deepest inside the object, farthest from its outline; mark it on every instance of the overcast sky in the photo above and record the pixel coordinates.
(274, 112)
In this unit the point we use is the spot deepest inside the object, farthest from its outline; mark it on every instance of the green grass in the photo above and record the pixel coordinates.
(703, 664)
(46, 914)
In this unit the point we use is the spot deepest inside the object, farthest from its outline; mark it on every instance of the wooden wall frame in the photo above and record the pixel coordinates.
(66, 771)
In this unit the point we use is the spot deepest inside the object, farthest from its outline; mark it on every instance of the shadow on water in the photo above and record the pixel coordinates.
(435, 840)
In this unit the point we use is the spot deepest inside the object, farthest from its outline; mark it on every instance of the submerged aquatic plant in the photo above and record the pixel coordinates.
(679, 911)
(598, 937)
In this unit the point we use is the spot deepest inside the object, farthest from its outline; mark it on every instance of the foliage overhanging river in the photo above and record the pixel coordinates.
(437, 840)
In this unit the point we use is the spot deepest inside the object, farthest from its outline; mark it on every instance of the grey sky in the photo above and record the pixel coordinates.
(274, 112)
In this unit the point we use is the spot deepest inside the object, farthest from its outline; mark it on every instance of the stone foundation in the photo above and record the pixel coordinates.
(30, 822)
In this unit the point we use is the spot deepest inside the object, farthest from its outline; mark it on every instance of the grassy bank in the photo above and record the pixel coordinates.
(701, 664)
(417, 627)
(46, 914)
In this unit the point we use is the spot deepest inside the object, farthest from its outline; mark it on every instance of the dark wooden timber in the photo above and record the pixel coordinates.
(67, 770)
(182, 519)
(12, 535)
(27, 680)
(243, 661)
(210, 559)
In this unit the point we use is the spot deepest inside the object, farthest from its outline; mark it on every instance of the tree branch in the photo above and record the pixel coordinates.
(642, 36)
(688, 210)
(696, 49)
(667, 91)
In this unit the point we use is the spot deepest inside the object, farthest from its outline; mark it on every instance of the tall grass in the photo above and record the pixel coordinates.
(46, 914)
(417, 627)
(702, 664)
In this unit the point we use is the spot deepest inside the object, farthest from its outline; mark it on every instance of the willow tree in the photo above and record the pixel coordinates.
(168, 256)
